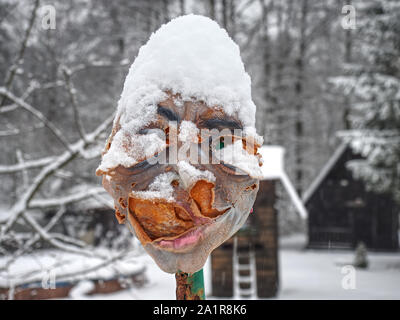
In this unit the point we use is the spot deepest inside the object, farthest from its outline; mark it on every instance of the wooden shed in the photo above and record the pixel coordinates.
(342, 212)
(246, 266)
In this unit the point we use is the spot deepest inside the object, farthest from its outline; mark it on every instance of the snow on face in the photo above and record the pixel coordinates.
(188, 132)
(128, 149)
(190, 56)
(237, 156)
(190, 174)
(160, 188)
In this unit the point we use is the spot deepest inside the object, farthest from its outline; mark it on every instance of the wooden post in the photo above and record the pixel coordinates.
(190, 286)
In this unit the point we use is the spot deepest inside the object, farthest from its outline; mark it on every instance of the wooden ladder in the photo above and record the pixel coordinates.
(244, 272)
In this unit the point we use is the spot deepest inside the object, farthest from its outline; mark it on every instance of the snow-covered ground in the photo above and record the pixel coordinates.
(160, 285)
(317, 274)
(304, 274)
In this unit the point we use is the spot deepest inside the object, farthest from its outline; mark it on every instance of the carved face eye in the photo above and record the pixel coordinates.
(144, 165)
(139, 168)
(221, 144)
(218, 143)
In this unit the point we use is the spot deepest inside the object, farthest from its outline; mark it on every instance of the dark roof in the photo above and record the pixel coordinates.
(324, 172)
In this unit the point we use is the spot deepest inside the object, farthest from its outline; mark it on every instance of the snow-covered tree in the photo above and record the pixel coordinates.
(58, 91)
(374, 88)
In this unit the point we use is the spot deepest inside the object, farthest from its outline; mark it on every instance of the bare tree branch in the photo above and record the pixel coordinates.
(26, 165)
(25, 178)
(91, 153)
(37, 275)
(9, 132)
(67, 239)
(57, 133)
(23, 203)
(72, 94)
(54, 242)
(13, 69)
(100, 265)
(99, 64)
(53, 202)
(33, 86)
(36, 236)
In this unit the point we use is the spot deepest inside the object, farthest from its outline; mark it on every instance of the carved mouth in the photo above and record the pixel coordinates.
(189, 239)
(174, 226)
(183, 242)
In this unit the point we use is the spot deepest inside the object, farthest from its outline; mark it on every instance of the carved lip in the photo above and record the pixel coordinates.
(183, 242)
(187, 240)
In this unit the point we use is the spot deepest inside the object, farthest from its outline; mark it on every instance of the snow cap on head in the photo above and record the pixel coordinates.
(191, 55)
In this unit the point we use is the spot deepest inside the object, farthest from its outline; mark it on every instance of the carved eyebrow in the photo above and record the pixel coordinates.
(167, 113)
(218, 123)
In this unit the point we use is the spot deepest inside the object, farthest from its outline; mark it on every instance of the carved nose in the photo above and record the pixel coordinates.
(203, 195)
(196, 185)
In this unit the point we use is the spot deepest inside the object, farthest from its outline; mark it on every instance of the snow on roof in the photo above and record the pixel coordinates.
(193, 56)
(324, 172)
(273, 168)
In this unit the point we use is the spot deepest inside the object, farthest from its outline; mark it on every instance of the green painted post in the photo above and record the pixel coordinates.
(190, 286)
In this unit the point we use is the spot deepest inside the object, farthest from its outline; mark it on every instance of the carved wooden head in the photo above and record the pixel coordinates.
(181, 162)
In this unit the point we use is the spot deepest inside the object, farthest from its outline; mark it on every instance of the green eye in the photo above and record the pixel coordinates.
(221, 144)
